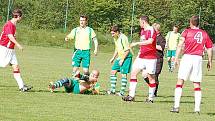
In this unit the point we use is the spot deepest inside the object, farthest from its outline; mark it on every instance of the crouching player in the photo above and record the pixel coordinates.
(78, 84)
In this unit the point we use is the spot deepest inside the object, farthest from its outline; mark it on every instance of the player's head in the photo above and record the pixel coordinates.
(156, 27)
(17, 14)
(115, 30)
(83, 20)
(194, 21)
(94, 75)
(144, 20)
(175, 28)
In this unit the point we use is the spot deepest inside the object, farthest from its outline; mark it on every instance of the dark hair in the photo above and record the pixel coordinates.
(145, 18)
(17, 13)
(176, 26)
(194, 20)
(84, 16)
(115, 28)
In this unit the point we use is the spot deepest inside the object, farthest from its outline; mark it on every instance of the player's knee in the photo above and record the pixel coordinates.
(15, 67)
(113, 72)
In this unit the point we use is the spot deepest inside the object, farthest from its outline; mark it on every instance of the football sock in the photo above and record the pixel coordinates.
(169, 65)
(178, 93)
(156, 89)
(113, 80)
(146, 80)
(123, 85)
(17, 76)
(61, 82)
(172, 65)
(198, 96)
(132, 87)
(152, 90)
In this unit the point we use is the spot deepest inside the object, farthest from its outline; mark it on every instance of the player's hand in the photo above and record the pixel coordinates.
(19, 46)
(111, 60)
(133, 44)
(95, 52)
(121, 62)
(66, 39)
(209, 65)
(176, 62)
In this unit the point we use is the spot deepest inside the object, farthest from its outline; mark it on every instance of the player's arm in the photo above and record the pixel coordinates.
(210, 57)
(124, 56)
(95, 45)
(11, 37)
(144, 42)
(167, 39)
(114, 56)
(70, 35)
(179, 49)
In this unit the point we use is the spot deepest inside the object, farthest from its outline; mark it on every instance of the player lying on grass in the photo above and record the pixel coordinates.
(78, 84)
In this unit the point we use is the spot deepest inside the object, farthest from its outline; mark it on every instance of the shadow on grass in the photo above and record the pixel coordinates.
(209, 75)
(7, 86)
(211, 114)
(33, 90)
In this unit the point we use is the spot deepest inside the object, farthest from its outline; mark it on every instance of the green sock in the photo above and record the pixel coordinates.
(113, 80)
(169, 64)
(123, 85)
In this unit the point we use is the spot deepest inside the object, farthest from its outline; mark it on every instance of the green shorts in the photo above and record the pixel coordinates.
(126, 66)
(81, 56)
(74, 87)
(171, 53)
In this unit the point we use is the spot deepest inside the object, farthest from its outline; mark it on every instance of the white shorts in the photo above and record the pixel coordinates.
(145, 65)
(7, 56)
(190, 66)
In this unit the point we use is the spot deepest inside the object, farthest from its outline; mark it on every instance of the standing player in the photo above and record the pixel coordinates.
(7, 52)
(83, 36)
(123, 63)
(195, 40)
(160, 46)
(172, 39)
(145, 61)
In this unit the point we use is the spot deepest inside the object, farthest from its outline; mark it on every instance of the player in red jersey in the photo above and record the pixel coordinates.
(195, 40)
(7, 44)
(145, 61)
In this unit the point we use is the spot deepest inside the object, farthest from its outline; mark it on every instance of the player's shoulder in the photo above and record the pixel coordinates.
(76, 28)
(8, 23)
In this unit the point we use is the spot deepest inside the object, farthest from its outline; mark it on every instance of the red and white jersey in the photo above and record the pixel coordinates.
(148, 51)
(195, 41)
(9, 28)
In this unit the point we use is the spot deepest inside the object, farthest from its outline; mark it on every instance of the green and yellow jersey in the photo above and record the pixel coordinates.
(172, 40)
(83, 37)
(122, 45)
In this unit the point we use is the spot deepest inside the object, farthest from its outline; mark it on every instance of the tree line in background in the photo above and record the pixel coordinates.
(51, 14)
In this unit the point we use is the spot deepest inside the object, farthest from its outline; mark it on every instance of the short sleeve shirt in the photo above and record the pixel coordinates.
(195, 41)
(9, 28)
(121, 45)
(148, 51)
(82, 37)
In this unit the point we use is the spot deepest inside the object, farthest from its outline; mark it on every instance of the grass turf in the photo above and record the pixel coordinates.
(40, 65)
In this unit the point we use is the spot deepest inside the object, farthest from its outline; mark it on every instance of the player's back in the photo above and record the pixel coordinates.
(195, 40)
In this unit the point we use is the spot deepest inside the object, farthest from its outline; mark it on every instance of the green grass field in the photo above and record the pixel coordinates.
(40, 65)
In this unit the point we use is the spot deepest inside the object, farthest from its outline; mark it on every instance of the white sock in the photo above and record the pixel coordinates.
(18, 79)
(132, 88)
(178, 93)
(198, 97)
(152, 88)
